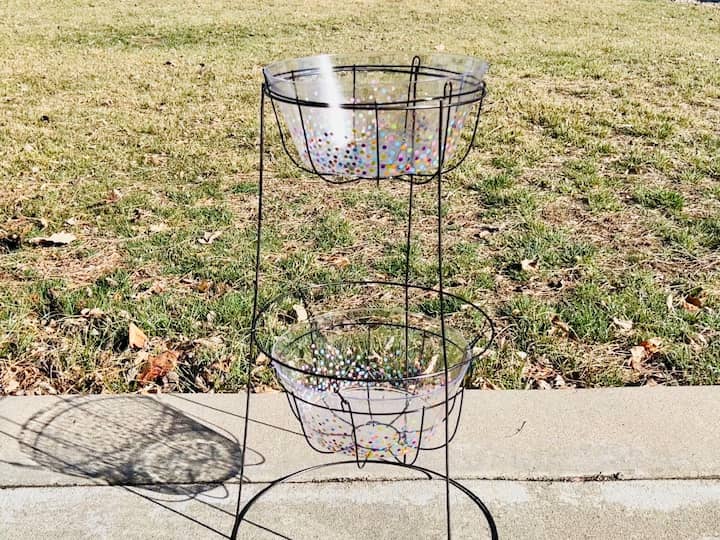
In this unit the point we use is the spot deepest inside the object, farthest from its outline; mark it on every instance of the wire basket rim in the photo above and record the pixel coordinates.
(278, 73)
(470, 346)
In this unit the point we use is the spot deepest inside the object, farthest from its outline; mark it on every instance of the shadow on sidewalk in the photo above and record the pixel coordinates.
(148, 448)
(131, 440)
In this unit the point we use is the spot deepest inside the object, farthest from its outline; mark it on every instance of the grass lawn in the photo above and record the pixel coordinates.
(134, 127)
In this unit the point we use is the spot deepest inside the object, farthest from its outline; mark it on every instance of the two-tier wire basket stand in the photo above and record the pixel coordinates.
(382, 381)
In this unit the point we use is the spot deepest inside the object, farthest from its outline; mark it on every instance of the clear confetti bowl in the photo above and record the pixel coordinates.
(377, 117)
(371, 382)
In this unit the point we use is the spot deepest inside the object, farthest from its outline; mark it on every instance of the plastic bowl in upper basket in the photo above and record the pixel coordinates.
(371, 382)
(379, 116)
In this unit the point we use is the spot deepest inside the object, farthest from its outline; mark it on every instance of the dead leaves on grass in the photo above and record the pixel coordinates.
(159, 366)
(114, 196)
(560, 328)
(541, 375)
(209, 237)
(641, 354)
(175, 368)
(136, 337)
(624, 325)
(301, 314)
(24, 379)
(692, 303)
(529, 265)
(339, 261)
(58, 239)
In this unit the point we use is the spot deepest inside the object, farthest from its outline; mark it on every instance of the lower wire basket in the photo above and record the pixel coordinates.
(371, 382)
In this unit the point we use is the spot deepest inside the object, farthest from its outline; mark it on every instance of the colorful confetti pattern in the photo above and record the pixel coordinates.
(389, 419)
(359, 143)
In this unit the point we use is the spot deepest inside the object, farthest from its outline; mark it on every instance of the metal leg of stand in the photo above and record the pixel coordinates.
(444, 114)
(253, 323)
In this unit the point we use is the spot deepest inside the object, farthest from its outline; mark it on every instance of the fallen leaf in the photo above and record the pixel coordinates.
(623, 324)
(57, 239)
(559, 326)
(71, 221)
(200, 383)
(158, 227)
(698, 342)
(339, 261)
(529, 265)
(11, 386)
(114, 196)
(637, 358)
(140, 214)
(204, 285)
(262, 360)
(158, 366)
(652, 345)
(210, 343)
(694, 300)
(257, 370)
(156, 288)
(301, 314)
(487, 230)
(94, 313)
(47, 388)
(487, 385)
(155, 159)
(209, 237)
(136, 337)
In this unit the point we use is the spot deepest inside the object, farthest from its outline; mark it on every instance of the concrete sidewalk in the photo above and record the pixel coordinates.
(615, 463)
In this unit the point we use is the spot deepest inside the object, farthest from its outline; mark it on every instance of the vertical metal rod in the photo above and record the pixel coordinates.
(410, 108)
(412, 87)
(442, 139)
(253, 322)
(412, 94)
(354, 71)
(377, 143)
(408, 251)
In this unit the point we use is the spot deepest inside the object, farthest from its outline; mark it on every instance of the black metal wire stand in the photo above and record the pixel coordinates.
(461, 93)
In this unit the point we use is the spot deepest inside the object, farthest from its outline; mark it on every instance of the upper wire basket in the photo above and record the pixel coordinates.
(371, 381)
(346, 118)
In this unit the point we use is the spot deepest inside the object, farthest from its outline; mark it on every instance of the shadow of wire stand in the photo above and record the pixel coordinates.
(132, 441)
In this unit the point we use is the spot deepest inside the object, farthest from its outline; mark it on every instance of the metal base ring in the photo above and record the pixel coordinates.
(427, 472)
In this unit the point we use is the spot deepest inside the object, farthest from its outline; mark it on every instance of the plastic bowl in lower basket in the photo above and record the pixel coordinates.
(371, 383)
